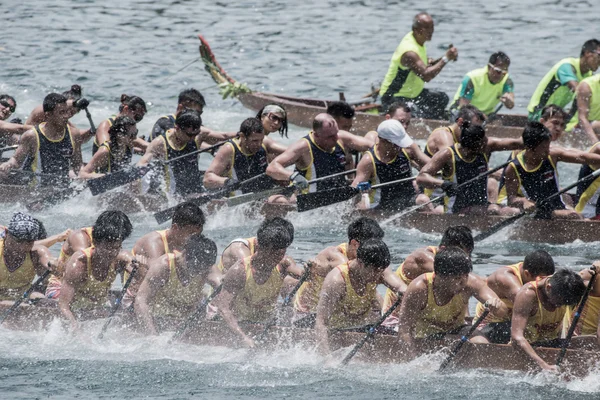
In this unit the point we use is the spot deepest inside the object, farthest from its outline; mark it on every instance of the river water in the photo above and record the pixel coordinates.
(310, 48)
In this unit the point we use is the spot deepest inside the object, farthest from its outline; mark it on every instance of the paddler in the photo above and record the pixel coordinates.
(252, 285)
(189, 99)
(173, 286)
(115, 153)
(420, 262)
(400, 112)
(446, 136)
(133, 107)
(535, 173)
(241, 159)
(80, 239)
(182, 176)
(52, 147)
(318, 154)
(588, 191)
(188, 220)
(90, 273)
(587, 118)
(487, 87)
(349, 295)
(38, 115)
(20, 258)
(464, 161)
(343, 113)
(506, 282)
(410, 68)
(274, 119)
(389, 160)
(307, 298)
(9, 131)
(435, 303)
(589, 323)
(559, 84)
(538, 312)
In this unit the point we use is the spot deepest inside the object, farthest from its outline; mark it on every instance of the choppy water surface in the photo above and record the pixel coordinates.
(308, 48)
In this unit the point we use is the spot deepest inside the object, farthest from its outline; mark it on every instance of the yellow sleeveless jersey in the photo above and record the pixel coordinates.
(515, 268)
(256, 302)
(14, 284)
(352, 309)
(250, 243)
(544, 325)
(399, 80)
(307, 297)
(594, 114)
(93, 293)
(435, 319)
(485, 93)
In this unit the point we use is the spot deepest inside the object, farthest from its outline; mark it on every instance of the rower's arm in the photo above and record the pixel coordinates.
(74, 277)
(498, 144)
(99, 160)
(77, 158)
(8, 129)
(273, 148)
(524, 306)
(36, 116)
(511, 182)
(478, 287)
(25, 147)
(355, 142)
(413, 302)
(102, 134)
(214, 137)
(140, 145)
(156, 149)
(417, 156)
(412, 61)
(216, 174)
(575, 156)
(233, 283)
(43, 260)
(417, 263)
(156, 278)
(333, 289)
(295, 154)
(52, 240)
(364, 170)
(504, 284)
(440, 161)
(393, 281)
(584, 95)
(292, 268)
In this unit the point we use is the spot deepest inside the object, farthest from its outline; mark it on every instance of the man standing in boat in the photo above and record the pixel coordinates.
(349, 295)
(506, 283)
(173, 286)
(435, 303)
(307, 298)
(241, 159)
(534, 173)
(410, 68)
(538, 312)
(587, 118)
(318, 154)
(389, 160)
(486, 87)
(52, 147)
(464, 161)
(20, 258)
(189, 99)
(251, 286)
(182, 177)
(559, 84)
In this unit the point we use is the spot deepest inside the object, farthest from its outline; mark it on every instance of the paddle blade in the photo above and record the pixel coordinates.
(108, 182)
(323, 198)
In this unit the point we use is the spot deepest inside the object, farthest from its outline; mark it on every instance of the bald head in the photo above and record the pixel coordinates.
(325, 130)
(323, 121)
(423, 26)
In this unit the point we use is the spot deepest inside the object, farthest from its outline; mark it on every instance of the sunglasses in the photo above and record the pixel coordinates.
(275, 118)
(6, 104)
(498, 70)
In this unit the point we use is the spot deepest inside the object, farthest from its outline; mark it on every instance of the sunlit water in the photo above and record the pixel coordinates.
(311, 49)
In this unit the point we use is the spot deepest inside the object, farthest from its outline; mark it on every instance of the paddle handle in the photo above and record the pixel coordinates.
(30, 290)
(199, 151)
(119, 299)
(89, 117)
(464, 338)
(195, 316)
(567, 341)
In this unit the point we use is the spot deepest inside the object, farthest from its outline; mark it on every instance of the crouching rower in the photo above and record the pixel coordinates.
(420, 262)
(539, 309)
(506, 282)
(20, 258)
(589, 323)
(173, 286)
(90, 272)
(307, 298)
(348, 298)
(252, 285)
(390, 160)
(435, 304)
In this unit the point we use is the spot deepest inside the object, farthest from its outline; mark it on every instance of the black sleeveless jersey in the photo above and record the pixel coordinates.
(51, 157)
(325, 163)
(539, 183)
(473, 194)
(397, 196)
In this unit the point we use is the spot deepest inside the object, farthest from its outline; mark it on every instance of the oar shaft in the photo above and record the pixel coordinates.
(16, 304)
(464, 338)
(7, 148)
(199, 151)
(119, 300)
(89, 117)
(195, 316)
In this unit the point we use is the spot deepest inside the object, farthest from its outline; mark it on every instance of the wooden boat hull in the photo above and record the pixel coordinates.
(381, 349)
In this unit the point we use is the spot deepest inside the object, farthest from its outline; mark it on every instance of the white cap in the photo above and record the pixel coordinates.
(392, 130)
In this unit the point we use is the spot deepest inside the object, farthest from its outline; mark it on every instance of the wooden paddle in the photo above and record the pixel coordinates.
(286, 302)
(322, 198)
(415, 208)
(123, 177)
(119, 299)
(89, 117)
(248, 197)
(16, 304)
(166, 214)
(196, 315)
(463, 339)
(372, 329)
(509, 221)
(493, 115)
(567, 341)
